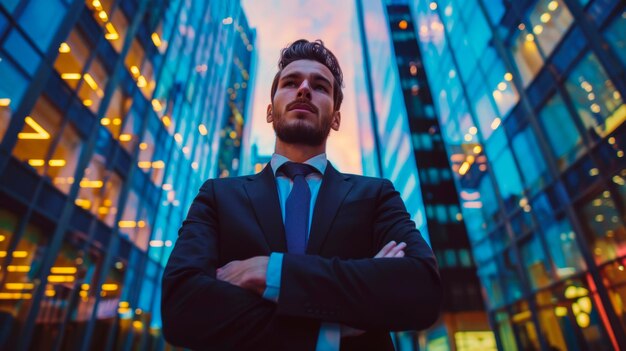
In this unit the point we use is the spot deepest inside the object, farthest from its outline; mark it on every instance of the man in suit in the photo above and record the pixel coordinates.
(299, 256)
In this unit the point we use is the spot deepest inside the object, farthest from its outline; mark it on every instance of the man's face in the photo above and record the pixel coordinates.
(303, 109)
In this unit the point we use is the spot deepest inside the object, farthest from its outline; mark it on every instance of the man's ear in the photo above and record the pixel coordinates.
(336, 121)
(270, 119)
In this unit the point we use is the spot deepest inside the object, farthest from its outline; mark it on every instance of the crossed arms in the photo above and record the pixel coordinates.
(205, 305)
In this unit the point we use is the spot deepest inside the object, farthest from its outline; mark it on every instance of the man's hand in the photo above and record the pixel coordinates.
(392, 249)
(248, 274)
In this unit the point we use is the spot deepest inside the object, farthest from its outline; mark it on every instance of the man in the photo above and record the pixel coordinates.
(299, 256)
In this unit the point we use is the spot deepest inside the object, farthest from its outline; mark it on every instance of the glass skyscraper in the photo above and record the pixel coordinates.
(530, 100)
(112, 114)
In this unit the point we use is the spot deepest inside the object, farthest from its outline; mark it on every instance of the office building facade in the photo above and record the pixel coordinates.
(112, 114)
(396, 81)
(529, 97)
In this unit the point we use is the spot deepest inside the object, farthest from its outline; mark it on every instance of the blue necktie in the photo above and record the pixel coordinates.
(297, 206)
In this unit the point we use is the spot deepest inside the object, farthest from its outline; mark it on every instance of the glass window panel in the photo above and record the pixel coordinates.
(530, 159)
(146, 152)
(41, 19)
(507, 336)
(12, 87)
(91, 90)
(615, 36)
(23, 53)
(72, 56)
(524, 327)
(615, 276)
(90, 186)
(35, 139)
(134, 60)
(535, 263)
(503, 91)
(10, 5)
(62, 164)
(549, 322)
(563, 136)
(115, 30)
(549, 20)
(507, 266)
(508, 179)
(599, 104)
(109, 195)
(526, 55)
(117, 110)
(491, 283)
(129, 138)
(606, 231)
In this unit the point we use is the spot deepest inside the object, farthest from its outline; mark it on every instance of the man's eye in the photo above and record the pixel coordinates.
(289, 84)
(321, 88)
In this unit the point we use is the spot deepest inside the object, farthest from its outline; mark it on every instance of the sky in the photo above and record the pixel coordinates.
(279, 23)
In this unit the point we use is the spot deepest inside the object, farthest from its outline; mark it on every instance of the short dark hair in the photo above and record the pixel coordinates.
(311, 50)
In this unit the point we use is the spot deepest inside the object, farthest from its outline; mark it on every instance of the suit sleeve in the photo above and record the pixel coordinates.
(199, 311)
(369, 294)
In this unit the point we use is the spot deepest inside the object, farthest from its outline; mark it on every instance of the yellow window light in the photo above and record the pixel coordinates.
(166, 121)
(103, 210)
(143, 146)
(2, 237)
(233, 134)
(86, 183)
(127, 224)
(18, 269)
(5, 102)
(227, 20)
(135, 71)
(141, 224)
(105, 121)
(111, 32)
(156, 39)
(156, 243)
(83, 294)
(403, 24)
(103, 16)
(166, 187)
(90, 81)
(464, 168)
(194, 165)
(495, 123)
(178, 137)
(15, 296)
(84, 286)
(156, 105)
(553, 5)
(96, 4)
(50, 293)
(19, 286)
(125, 137)
(64, 48)
(117, 121)
(86, 204)
(109, 287)
(158, 164)
(123, 304)
(60, 278)
(545, 17)
(36, 162)
(144, 164)
(40, 132)
(63, 270)
(202, 129)
(508, 77)
(87, 102)
(71, 76)
(137, 324)
(56, 163)
(141, 82)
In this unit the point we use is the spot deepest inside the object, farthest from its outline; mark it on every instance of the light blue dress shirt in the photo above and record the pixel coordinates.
(330, 333)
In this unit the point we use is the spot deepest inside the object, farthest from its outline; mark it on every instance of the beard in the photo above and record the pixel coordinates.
(301, 131)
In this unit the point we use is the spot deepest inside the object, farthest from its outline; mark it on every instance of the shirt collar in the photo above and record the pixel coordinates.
(318, 162)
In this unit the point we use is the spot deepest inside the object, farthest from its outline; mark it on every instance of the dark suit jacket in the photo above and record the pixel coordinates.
(336, 281)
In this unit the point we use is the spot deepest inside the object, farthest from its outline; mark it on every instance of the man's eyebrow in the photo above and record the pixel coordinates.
(316, 77)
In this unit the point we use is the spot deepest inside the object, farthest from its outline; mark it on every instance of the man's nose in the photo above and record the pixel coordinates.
(304, 90)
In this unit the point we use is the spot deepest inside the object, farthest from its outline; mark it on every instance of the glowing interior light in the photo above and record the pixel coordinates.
(64, 48)
(109, 287)
(60, 278)
(36, 162)
(63, 270)
(156, 39)
(111, 32)
(90, 81)
(103, 16)
(156, 105)
(71, 76)
(125, 137)
(86, 183)
(202, 129)
(56, 163)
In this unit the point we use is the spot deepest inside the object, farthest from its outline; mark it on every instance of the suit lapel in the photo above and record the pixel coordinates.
(262, 192)
(330, 197)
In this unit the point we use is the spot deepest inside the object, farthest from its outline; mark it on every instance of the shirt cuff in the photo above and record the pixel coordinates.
(272, 277)
(329, 338)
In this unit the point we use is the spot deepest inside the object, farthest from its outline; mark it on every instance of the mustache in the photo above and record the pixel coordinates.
(302, 102)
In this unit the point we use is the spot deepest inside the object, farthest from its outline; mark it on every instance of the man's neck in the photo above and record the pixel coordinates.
(298, 152)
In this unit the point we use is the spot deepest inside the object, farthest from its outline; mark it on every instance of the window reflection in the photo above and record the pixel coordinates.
(615, 36)
(535, 263)
(560, 129)
(532, 165)
(598, 103)
(526, 54)
(615, 276)
(549, 20)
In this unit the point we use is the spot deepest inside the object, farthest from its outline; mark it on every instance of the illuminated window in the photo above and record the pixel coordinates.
(12, 87)
(113, 25)
(37, 135)
(71, 60)
(130, 130)
(91, 90)
(599, 104)
(135, 224)
(133, 61)
(535, 263)
(116, 112)
(549, 20)
(89, 196)
(526, 55)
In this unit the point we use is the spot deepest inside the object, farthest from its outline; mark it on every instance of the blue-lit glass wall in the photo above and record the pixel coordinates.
(388, 113)
(529, 96)
(112, 114)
